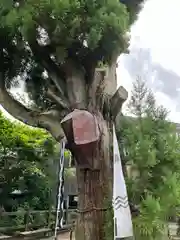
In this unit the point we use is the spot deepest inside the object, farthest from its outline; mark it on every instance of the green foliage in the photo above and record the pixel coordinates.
(33, 220)
(133, 7)
(89, 20)
(25, 157)
(151, 223)
(70, 172)
(152, 147)
(86, 32)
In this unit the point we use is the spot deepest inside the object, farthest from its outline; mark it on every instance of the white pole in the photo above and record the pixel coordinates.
(60, 197)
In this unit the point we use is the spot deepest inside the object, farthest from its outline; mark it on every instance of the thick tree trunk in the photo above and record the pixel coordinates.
(95, 192)
(94, 171)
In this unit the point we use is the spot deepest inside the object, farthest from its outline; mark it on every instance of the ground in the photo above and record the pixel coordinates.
(62, 236)
(66, 236)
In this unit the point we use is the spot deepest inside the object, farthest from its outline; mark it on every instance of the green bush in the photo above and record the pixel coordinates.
(152, 151)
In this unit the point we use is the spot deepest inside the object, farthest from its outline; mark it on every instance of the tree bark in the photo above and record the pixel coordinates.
(95, 192)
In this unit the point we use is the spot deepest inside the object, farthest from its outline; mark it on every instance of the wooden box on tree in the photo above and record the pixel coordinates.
(83, 135)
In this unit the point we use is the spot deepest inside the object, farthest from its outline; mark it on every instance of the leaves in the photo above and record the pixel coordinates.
(149, 224)
(87, 20)
(24, 161)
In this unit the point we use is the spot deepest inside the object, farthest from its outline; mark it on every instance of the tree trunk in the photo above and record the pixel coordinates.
(94, 171)
(95, 192)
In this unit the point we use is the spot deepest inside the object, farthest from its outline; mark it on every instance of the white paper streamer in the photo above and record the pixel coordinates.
(122, 215)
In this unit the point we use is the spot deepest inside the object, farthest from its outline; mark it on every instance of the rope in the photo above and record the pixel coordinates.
(86, 211)
(91, 209)
(60, 202)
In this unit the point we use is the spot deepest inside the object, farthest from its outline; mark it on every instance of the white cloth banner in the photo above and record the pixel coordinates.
(122, 215)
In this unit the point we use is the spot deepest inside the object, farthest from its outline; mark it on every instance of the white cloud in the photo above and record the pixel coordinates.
(156, 33)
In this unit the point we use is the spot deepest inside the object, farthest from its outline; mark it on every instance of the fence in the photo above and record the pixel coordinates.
(13, 222)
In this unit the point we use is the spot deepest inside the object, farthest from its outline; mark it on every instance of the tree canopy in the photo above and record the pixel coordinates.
(43, 41)
(152, 148)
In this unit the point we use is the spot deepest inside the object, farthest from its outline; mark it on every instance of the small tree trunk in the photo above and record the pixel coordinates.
(95, 192)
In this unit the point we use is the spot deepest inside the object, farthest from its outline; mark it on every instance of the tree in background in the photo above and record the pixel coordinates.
(55, 49)
(152, 151)
(25, 157)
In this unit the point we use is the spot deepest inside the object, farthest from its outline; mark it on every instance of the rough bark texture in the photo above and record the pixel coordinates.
(95, 191)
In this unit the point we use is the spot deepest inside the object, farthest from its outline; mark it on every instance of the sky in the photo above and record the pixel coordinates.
(155, 54)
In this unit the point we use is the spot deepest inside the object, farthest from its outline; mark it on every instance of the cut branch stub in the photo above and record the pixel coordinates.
(83, 134)
(117, 101)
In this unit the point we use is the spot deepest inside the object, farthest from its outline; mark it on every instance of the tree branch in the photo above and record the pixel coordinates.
(117, 101)
(49, 120)
(50, 93)
(55, 72)
(16, 109)
(96, 84)
(76, 85)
